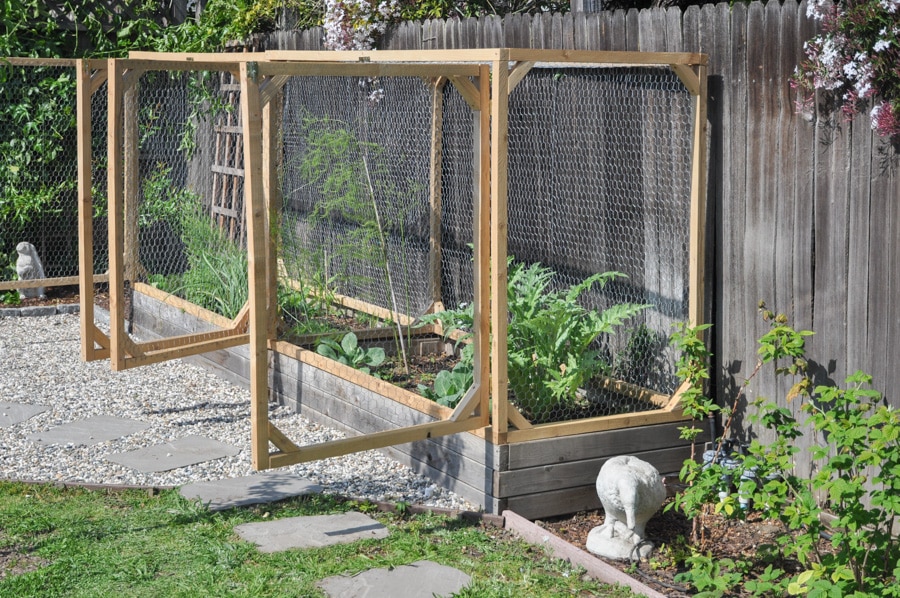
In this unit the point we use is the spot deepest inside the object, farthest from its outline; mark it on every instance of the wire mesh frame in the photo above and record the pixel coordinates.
(690, 68)
(68, 273)
(260, 81)
(121, 76)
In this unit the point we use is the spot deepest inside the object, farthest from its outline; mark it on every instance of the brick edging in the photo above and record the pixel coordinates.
(596, 568)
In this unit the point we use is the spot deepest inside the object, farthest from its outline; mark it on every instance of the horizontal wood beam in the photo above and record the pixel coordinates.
(150, 357)
(413, 56)
(591, 57)
(633, 391)
(198, 57)
(349, 302)
(365, 69)
(365, 381)
(596, 424)
(184, 305)
(143, 65)
(183, 340)
(63, 281)
(336, 448)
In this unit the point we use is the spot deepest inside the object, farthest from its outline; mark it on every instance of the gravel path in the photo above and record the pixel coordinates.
(40, 363)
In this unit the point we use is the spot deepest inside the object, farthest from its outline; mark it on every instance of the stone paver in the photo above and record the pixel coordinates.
(311, 532)
(89, 431)
(422, 579)
(15, 413)
(263, 487)
(171, 455)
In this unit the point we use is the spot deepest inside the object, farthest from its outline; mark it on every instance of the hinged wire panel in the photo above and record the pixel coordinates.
(355, 191)
(175, 226)
(599, 181)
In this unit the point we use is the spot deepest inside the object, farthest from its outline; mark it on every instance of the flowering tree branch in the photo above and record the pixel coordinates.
(856, 59)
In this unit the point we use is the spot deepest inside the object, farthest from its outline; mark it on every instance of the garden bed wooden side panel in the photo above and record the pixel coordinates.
(462, 463)
(557, 476)
(154, 319)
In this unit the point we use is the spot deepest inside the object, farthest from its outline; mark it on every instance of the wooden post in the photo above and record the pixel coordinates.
(115, 91)
(258, 248)
(437, 120)
(85, 210)
(271, 129)
(697, 261)
(482, 242)
(498, 184)
(132, 178)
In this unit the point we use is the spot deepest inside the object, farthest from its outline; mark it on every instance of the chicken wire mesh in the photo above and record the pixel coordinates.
(38, 169)
(357, 213)
(186, 233)
(356, 188)
(599, 182)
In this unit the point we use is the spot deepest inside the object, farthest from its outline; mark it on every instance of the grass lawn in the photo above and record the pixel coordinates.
(75, 542)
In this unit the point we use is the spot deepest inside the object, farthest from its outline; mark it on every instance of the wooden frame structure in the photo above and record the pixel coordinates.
(485, 79)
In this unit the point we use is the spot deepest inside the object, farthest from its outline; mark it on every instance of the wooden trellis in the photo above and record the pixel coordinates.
(228, 171)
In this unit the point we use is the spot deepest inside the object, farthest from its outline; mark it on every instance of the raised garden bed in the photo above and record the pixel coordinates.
(534, 478)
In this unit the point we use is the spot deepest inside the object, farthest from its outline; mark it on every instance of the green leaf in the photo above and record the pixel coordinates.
(349, 343)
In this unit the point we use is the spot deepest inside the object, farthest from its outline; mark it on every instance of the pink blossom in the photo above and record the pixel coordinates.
(885, 119)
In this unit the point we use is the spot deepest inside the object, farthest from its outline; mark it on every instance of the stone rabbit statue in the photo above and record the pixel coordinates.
(631, 492)
(29, 267)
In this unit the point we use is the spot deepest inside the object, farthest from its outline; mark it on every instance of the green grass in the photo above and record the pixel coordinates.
(89, 543)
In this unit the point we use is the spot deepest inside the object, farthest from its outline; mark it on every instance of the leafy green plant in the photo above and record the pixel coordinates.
(450, 386)
(348, 352)
(713, 577)
(551, 338)
(347, 172)
(216, 278)
(9, 298)
(39, 105)
(303, 311)
(856, 478)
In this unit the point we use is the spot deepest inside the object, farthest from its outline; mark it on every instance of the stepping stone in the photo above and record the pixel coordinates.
(249, 490)
(15, 413)
(172, 455)
(89, 431)
(420, 579)
(311, 532)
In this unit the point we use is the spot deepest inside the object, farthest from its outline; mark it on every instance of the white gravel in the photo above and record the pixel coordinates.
(40, 363)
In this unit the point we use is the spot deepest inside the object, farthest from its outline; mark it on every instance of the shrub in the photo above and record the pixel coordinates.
(856, 478)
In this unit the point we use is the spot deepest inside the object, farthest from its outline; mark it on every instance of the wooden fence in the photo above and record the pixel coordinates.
(802, 207)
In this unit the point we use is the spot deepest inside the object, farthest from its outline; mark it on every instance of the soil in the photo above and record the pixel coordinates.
(17, 559)
(422, 370)
(752, 540)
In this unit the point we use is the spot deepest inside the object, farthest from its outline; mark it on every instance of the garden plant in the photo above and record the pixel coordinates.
(837, 523)
(552, 338)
